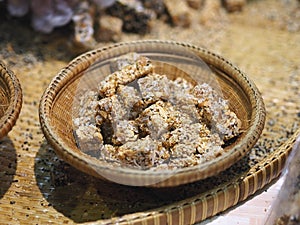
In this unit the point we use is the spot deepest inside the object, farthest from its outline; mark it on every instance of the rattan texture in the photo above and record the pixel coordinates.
(39, 188)
(56, 115)
(10, 99)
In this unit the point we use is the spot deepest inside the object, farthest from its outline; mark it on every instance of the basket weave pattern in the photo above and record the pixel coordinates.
(10, 99)
(38, 188)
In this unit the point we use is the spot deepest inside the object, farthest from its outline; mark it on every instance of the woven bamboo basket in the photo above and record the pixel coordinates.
(58, 99)
(10, 99)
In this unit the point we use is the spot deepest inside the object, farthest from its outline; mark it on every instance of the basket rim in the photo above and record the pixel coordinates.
(86, 59)
(15, 101)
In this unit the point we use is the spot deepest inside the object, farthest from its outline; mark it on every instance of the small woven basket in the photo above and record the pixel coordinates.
(10, 99)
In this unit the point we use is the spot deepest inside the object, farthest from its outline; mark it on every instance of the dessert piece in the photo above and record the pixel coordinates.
(142, 119)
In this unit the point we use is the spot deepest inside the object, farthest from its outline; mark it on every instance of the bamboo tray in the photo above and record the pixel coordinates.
(36, 187)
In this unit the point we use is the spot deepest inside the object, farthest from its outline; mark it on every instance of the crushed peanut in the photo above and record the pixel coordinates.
(145, 120)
